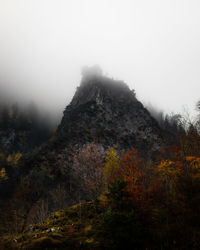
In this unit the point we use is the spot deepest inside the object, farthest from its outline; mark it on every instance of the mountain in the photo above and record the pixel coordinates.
(103, 112)
(138, 197)
(107, 112)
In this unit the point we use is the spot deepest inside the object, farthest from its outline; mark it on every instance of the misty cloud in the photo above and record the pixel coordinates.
(152, 45)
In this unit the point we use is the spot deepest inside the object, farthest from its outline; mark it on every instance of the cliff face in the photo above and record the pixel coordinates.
(107, 112)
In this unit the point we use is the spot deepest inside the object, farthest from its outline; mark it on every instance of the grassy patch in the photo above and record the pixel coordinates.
(76, 227)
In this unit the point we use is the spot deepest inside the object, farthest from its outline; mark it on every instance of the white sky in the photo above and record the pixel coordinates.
(153, 45)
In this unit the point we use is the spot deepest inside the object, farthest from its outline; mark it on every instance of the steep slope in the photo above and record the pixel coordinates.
(107, 112)
(66, 229)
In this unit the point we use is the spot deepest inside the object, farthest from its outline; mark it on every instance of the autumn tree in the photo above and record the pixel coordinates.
(111, 169)
(87, 169)
(142, 184)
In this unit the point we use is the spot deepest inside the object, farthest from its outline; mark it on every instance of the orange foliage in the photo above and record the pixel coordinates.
(142, 184)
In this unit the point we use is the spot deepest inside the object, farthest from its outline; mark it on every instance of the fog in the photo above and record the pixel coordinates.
(152, 45)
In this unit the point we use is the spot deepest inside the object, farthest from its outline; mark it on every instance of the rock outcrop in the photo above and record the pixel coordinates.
(107, 112)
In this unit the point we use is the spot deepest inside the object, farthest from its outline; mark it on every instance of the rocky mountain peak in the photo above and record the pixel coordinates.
(107, 112)
(101, 89)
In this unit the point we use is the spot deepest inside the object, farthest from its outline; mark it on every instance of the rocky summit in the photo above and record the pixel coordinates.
(107, 112)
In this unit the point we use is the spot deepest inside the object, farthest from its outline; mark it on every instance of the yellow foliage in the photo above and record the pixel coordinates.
(103, 198)
(87, 228)
(14, 158)
(193, 161)
(167, 168)
(169, 172)
(112, 166)
(9, 158)
(194, 166)
(190, 158)
(3, 174)
(90, 240)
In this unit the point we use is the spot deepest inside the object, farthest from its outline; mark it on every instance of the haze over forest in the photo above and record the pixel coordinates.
(102, 172)
(152, 45)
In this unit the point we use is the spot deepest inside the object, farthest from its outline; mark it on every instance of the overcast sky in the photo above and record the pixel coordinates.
(153, 45)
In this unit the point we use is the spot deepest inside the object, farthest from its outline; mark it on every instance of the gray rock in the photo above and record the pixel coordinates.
(108, 112)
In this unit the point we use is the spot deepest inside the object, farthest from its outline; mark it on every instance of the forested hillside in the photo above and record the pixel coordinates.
(22, 129)
(144, 204)
(110, 176)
